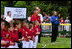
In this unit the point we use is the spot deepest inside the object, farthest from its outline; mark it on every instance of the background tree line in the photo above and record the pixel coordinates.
(46, 6)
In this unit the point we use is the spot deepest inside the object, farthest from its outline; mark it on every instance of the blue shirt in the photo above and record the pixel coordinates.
(45, 18)
(54, 19)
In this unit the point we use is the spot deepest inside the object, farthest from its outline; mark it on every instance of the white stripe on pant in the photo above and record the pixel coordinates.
(27, 44)
(36, 42)
(15, 46)
(30, 44)
(3, 47)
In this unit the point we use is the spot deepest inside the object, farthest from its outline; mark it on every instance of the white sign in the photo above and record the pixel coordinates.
(15, 12)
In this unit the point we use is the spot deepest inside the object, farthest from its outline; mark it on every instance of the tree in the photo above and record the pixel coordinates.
(47, 6)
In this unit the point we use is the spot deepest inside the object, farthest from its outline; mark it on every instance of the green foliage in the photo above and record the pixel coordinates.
(20, 4)
(46, 6)
(3, 4)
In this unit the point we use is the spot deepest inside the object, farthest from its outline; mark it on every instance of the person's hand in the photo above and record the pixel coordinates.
(21, 39)
(3, 42)
(38, 33)
(11, 43)
(29, 37)
(33, 39)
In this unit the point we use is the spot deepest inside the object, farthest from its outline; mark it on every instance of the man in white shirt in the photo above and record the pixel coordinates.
(8, 17)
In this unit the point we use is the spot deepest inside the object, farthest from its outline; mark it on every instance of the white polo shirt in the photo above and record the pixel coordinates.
(8, 19)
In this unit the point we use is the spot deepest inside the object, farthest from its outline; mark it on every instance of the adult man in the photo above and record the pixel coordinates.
(8, 17)
(55, 23)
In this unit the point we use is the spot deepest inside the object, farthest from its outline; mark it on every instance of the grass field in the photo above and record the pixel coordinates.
(61, 43)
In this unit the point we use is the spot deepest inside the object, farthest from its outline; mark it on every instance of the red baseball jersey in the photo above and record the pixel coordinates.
(15, 35)
(27, 33)
(22, 31)
(39, 29)
(35, 18)
(35, 30)
(7, 36)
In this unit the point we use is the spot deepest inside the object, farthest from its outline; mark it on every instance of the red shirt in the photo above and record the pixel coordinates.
(6, 36)
(62, 21)
(39, 29)
(22, 31)
(36, 29)
(27, 32)
(15, 35)
(35, 18)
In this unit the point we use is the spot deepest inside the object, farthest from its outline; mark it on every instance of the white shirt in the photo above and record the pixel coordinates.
(41, 17)
(29, 18)
(67, 21)
(8, 19)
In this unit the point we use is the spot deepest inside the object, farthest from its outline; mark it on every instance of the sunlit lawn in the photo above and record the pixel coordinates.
(61, 43)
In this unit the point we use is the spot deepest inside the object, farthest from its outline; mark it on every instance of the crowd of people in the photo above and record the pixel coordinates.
(26, 33)
(13, 34)
(20, 34)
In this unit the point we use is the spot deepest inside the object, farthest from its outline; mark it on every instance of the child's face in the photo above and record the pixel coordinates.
(19, 26)
(2, 25)
(61, 18)
(11, 29)
(36, 12)
(27, 25)
(24, 23)
(31, 25)
(37, 23)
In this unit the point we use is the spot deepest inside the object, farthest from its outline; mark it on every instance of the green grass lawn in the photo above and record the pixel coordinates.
(61, 43)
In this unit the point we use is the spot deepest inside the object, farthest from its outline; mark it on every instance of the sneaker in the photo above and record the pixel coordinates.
(53, 42)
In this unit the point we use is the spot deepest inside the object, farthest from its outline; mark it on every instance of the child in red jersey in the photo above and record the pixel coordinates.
(3, 43)
(36, 33)
(26, 36)
(35, 17)
(11, 31)
(6, 40)
(17, 26)
(31, 31)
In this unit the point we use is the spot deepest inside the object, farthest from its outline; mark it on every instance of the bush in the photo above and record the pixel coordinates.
(46, 6)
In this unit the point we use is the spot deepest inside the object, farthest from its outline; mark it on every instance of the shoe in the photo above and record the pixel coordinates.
(53, 43)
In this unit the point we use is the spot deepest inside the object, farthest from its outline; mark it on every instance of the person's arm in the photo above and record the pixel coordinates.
(21, 39)
(29, 18)
(41, 17)
(3, 42)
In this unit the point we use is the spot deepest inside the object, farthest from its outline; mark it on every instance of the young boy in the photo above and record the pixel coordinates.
(26, 36)
(3, 43)
(31, 31)
(6, 40)
(36, 32)
(17, 26)
(35, 17)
